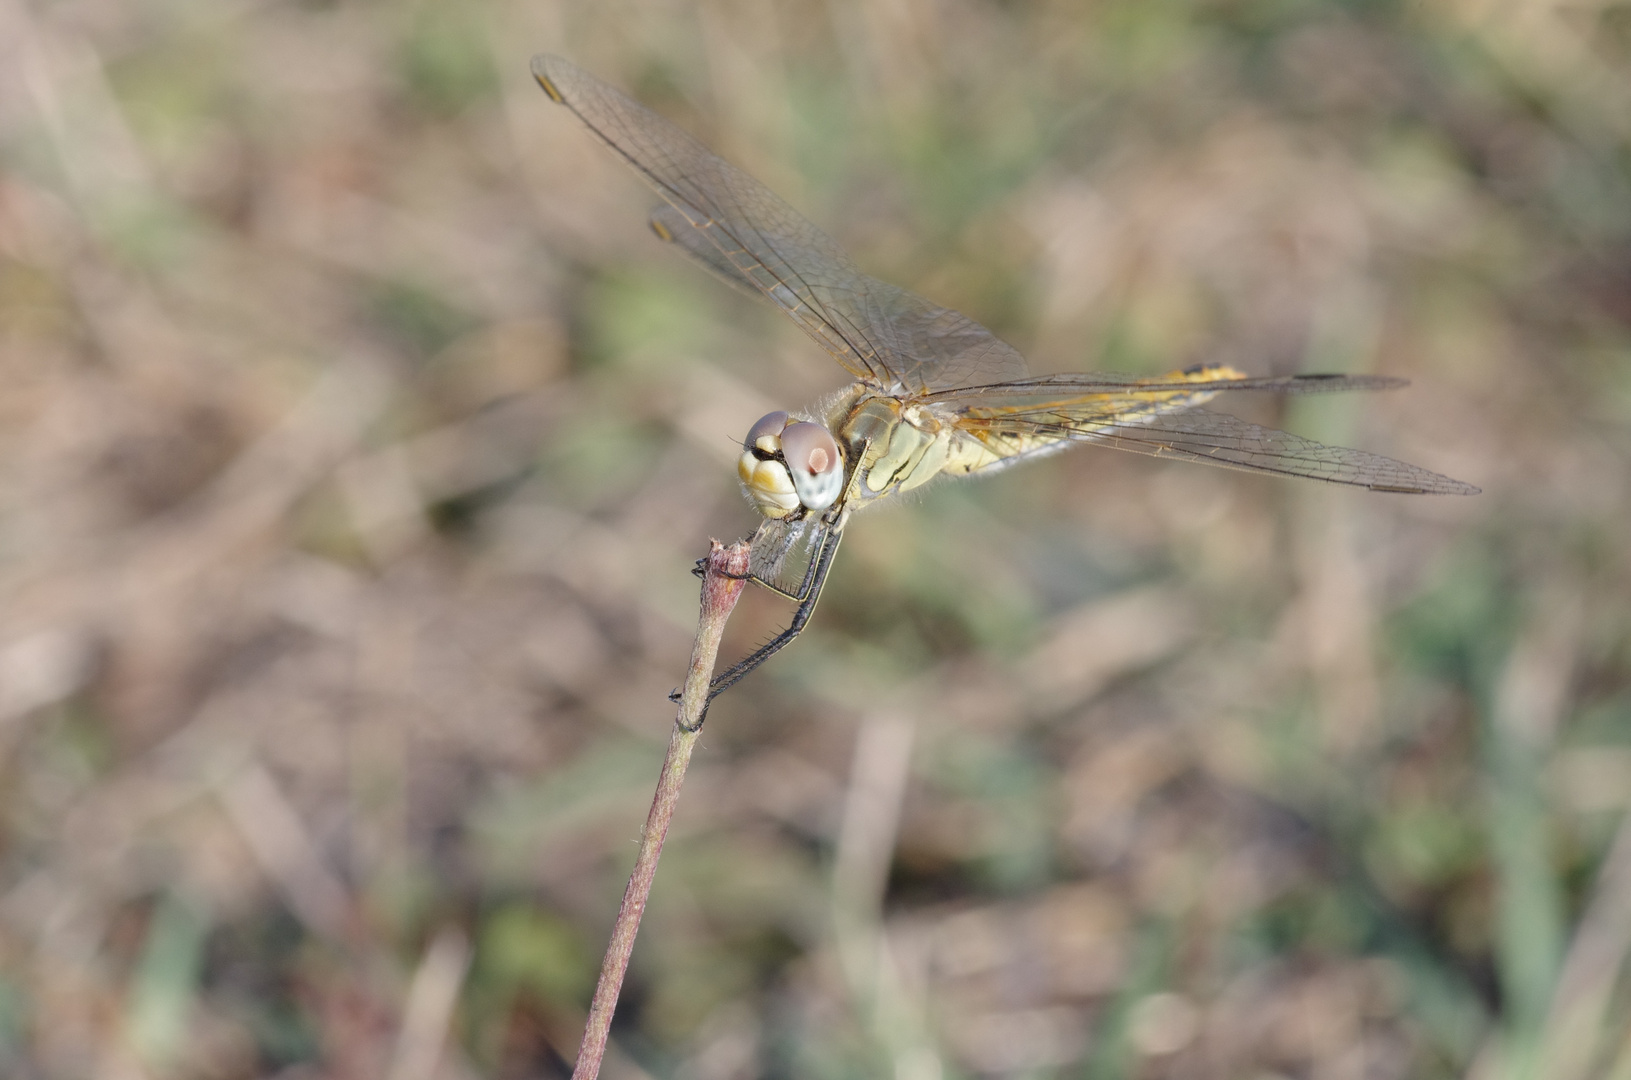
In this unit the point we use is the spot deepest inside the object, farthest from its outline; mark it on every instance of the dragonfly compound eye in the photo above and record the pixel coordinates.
(766, 435)
(813, 459)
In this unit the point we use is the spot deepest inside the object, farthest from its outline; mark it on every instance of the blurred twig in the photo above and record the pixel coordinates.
(879, 980)
(1580, 1022)
(431, 997)
(721, 587)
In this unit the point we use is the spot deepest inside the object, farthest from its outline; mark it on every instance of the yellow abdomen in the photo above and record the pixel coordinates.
(903, 446)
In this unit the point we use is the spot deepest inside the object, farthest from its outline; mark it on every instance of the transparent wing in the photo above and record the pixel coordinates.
(672, 227)
(1068, 387)
(1162, 419)
(935, 348)
(881, 333)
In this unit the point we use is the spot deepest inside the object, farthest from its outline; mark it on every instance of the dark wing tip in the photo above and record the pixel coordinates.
(541, 65)
(1438, 485)
(1314, 383)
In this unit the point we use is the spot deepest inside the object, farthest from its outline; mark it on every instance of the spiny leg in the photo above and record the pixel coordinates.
(804, 596)
(785, 544)
(799, 595)
(809, 592)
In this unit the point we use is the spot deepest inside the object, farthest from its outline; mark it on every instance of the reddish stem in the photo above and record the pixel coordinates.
(726, 570)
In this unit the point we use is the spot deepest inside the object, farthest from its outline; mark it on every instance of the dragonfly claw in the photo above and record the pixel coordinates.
(701, 570)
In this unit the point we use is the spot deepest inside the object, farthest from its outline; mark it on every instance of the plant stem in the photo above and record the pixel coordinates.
(722, 584)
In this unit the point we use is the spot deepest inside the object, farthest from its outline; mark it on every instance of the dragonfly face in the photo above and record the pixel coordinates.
(935, 393)
(790, 465)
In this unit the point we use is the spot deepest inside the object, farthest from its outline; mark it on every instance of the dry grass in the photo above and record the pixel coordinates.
(356, 441)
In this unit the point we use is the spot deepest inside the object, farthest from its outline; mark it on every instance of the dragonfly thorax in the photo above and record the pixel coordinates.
(789, 464)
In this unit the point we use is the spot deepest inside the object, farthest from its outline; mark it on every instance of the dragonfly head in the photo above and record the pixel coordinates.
(787, 464)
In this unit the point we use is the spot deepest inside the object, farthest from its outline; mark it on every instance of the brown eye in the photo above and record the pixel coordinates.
(814, 464)
(768, 428)
(809, 448)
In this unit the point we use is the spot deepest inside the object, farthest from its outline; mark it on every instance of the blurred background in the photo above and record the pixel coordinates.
(356, 440)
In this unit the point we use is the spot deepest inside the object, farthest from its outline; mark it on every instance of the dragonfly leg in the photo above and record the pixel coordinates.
(804, 596)
(701, 570)
(798, 595)
(811, 592)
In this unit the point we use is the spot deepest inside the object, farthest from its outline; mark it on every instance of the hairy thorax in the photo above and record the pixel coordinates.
(902, 446)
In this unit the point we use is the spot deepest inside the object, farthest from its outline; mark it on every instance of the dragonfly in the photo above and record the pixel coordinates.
(935, 393)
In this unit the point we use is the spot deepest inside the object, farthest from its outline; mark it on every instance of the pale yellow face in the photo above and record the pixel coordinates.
(787, 464)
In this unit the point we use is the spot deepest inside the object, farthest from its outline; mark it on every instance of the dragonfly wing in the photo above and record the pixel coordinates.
(935, 347)
(1221, 439)
(672, 227)
(879, 332)
(1168, 424)
(1214, 379)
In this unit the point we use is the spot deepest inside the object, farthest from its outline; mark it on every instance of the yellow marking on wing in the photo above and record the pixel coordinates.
(1140, 401)
(549, 88)
(1156, 390)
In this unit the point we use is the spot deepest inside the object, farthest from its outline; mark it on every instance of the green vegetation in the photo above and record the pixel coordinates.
(357, 439)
